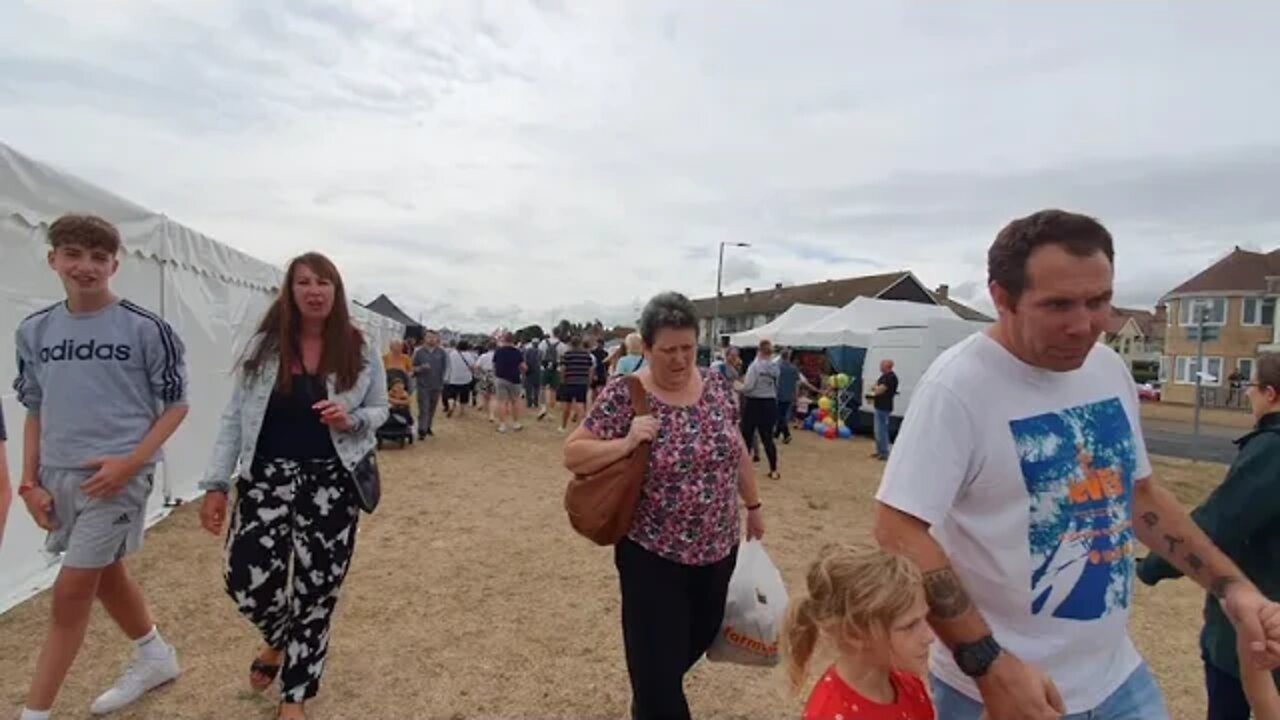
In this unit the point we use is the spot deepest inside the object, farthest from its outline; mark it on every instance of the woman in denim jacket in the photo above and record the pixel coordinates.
(310, 396)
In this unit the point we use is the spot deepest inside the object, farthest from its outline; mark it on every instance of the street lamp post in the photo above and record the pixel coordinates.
(715, 319)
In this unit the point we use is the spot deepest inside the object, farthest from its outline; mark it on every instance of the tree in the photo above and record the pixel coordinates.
(564, 330)
(529, 333)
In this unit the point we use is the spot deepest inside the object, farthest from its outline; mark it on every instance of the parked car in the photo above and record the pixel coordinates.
(1149, 391)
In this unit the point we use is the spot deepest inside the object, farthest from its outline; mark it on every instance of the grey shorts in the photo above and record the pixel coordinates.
(95, 532)
(508, 391)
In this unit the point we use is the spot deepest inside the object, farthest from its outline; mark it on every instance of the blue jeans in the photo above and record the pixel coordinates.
(784, 420)
(1138, 698)
(882, 433)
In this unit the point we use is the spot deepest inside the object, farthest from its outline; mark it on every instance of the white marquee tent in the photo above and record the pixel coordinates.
(210, 293)
(797, 316)
(853, 324)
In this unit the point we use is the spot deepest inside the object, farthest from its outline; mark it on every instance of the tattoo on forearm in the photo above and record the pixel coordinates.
(1151, 519)
(1195, 563)
(946, 596)
(1220, 585)
(1174, 541)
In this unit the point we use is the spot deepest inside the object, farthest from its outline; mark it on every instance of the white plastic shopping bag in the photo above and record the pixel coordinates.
(754, 611)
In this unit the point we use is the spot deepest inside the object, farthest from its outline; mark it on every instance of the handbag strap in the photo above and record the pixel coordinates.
(639, 396)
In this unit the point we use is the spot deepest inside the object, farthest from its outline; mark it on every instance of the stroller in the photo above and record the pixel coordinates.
(399, 425)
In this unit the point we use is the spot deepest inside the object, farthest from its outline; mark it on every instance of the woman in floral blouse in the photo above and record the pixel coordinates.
(674, 566)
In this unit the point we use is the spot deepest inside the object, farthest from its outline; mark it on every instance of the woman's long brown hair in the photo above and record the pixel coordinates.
(280, 328)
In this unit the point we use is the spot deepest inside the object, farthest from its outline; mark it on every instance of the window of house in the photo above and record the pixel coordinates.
(1189, 309)
(1258, 311)
(1185, 370)
(1163, 375)
(1125, 345)
(1244, 366)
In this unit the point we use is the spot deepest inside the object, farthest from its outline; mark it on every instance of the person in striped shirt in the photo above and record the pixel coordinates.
(576, 366)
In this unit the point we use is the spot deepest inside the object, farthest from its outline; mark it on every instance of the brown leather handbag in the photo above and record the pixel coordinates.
(601, 505)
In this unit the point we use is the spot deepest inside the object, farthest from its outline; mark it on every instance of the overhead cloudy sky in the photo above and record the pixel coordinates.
(498, 162)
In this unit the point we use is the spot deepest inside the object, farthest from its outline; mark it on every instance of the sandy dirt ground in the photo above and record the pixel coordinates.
(470, 597)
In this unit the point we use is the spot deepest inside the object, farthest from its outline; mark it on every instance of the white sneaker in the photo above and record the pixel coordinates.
(502, 428)
(517, 427)
(143, 676)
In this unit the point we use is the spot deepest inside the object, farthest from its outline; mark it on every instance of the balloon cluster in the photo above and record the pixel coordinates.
(824, 422)
(839, 382)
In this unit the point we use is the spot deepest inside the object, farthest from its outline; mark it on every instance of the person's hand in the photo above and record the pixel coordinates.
(112, 475)
(644, 428)
(213, 511)
(1257, 623)
(333, 415)
(1014, 690)
(39, 506)
(755, 525)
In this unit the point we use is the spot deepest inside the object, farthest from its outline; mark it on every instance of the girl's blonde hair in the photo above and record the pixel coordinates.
(855, 592)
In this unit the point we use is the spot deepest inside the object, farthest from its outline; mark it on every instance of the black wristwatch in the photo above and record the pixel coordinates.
(975, 659)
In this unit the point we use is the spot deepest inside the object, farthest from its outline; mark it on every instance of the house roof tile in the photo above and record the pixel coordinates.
(835, 293)
(1241, 270)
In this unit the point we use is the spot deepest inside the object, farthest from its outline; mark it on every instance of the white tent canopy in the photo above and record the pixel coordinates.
(796, 316)
(853, 324)
(210, 293)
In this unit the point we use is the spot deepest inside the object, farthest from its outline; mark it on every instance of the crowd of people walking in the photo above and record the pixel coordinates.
(998, 582)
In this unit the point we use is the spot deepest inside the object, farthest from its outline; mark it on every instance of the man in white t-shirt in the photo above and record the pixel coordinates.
(1020, 484)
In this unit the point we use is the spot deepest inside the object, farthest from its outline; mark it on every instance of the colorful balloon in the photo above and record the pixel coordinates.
(825, 403)
(830, 434)
(845, 432)
(842, 381)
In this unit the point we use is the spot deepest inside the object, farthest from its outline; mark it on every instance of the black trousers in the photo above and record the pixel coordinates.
(760, 416)
(1227, 700)
(670, 615)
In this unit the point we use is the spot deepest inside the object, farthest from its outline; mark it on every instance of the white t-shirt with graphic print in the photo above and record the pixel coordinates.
(1026, 479)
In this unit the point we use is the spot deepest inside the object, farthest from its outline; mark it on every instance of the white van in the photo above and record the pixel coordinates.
(912, 347)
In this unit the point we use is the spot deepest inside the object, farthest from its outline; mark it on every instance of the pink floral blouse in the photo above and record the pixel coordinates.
(688, 510)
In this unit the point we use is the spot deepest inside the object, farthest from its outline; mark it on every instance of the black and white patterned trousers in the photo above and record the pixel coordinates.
(295, 520)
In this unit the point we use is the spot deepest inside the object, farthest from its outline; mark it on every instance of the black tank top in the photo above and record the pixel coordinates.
(291, 429)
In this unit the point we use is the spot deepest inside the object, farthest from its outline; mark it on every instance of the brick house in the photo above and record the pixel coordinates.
(753, 308)
(1238, 293)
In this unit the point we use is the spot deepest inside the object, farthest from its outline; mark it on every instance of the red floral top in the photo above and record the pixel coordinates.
(833, 699)
(688, 509)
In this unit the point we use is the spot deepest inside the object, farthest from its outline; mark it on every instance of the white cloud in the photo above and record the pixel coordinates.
(485, 160)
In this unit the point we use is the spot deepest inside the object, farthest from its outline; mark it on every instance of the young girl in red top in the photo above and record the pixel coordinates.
(868, 607)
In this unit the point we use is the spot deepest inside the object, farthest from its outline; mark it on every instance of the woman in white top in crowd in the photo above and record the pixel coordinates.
(486, 385)
(458, 378)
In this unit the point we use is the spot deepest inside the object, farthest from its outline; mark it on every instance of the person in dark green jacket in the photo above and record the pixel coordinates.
(1242, 517)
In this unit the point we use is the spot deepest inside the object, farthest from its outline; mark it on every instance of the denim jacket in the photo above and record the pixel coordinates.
(365, 402)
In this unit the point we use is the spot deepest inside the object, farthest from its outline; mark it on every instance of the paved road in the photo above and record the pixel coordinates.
(1176, 440)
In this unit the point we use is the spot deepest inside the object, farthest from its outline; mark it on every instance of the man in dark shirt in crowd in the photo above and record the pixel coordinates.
(881, 397)
(575, 373)
(508, 366)
(1242, 518)
(533, 378)
(599, 368)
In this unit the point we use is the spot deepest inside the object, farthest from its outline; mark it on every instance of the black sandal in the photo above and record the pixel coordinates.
(266, 670)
